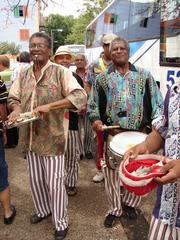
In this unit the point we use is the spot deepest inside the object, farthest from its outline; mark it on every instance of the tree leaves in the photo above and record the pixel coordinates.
(9, 48)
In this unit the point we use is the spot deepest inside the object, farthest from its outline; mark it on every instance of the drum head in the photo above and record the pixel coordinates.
(121, 142)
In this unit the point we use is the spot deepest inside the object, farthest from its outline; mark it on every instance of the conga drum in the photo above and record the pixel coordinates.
(119, 144)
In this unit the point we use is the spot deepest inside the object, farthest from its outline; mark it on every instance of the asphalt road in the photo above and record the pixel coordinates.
(86, 210)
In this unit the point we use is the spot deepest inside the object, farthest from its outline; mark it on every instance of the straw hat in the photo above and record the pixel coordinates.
(107, 38)
(62, 50)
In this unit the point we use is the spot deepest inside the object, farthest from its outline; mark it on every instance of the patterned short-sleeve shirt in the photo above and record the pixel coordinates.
(167, 207)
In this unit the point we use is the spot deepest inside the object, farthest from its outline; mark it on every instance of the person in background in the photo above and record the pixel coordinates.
(46, 88)
(127, 96)
(24, 61)
(5, 75)
(64, 57)
(5, 71)
(85, 129)
(9, 210)
(94, 69)
(165, 222)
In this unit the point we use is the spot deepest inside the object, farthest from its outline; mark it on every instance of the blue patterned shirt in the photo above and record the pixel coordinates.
(167, 207)
(128, 100)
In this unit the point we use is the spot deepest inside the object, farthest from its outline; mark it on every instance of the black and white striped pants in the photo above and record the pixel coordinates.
(160, 231)
(47, 182)
(113, 191)
(85, 134)
(72, 157)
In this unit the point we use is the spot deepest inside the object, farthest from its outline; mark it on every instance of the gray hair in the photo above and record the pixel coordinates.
(41, 35)
(119, 39)
(81, 54)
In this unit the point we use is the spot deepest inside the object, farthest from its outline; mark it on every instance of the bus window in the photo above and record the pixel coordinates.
(169, 34)
(76, 48)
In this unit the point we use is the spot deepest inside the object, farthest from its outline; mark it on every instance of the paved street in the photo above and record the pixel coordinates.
(86, 209)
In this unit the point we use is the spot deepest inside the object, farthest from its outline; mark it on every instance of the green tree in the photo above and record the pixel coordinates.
(9, 48)
(58, 27)
(91, 8)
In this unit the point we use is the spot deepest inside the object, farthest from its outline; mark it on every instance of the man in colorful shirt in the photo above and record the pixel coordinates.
(46, 88)
(94, 69)
(165, 222)
(127, 96)
(9, 210)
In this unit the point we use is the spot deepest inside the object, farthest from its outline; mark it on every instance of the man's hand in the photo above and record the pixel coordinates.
(133, 152)
(14, 114)
(98, 126)
(171, 170)
(42, 109)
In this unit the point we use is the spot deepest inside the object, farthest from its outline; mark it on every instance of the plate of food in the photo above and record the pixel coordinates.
(23, 118)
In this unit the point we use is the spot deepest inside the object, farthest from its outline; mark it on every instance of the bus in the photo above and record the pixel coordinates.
(76, 48)
(152, 29)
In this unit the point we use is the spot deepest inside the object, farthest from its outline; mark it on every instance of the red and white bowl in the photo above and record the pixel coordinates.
(138, 175)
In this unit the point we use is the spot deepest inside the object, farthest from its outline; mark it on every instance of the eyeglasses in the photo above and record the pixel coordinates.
(37, 45)
(79, 60)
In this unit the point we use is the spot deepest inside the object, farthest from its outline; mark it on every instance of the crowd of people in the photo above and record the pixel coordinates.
(74, 107)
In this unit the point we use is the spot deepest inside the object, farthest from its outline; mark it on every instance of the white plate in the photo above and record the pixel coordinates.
(28, 117)
(121, 142)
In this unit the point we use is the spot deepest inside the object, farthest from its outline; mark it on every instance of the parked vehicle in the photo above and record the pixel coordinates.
(77, 48)
(152, 30)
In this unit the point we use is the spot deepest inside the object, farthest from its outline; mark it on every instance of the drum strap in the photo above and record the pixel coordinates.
(147, 109)
(103, 103)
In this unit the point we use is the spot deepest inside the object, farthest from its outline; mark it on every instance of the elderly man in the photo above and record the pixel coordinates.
(94, 69)
(46, 88)
(128, 96)
(85, 129)
(64, 57)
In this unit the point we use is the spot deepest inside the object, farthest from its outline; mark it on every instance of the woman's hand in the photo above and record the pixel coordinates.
(171, 170)
(138, 149)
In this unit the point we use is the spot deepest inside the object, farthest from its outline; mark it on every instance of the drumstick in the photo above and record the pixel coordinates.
(110, 127)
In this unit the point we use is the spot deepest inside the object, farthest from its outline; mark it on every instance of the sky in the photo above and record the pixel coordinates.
(63, 7)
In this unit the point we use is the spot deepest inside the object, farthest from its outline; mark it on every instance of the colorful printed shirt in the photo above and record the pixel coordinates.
(128, 100)
(73, 116)
(167, 207)
(94, 69)
(82, 75)
(46, 136)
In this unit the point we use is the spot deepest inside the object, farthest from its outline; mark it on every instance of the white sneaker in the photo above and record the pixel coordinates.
(99, 177)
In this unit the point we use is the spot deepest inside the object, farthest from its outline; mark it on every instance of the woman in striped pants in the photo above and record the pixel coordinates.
(165, 223)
